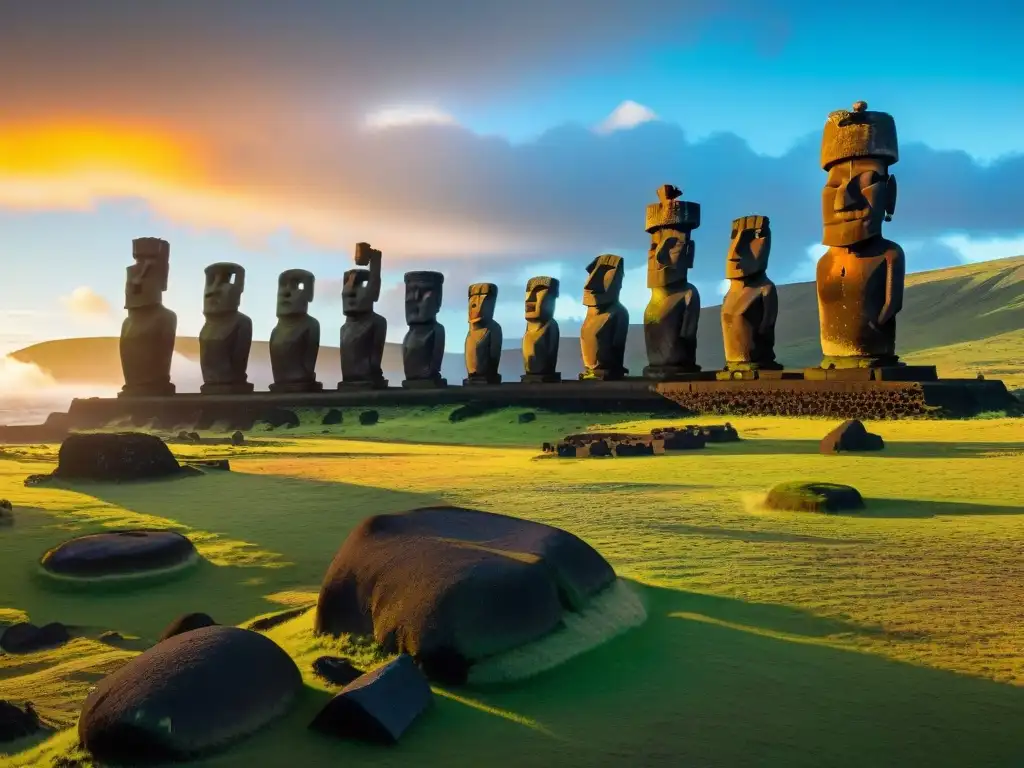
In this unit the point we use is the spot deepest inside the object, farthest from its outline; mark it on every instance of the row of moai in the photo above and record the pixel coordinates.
(859, 286)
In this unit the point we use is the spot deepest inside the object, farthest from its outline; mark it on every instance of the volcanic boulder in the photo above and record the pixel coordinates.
(332, 417)
(369, 417)
(26, 637)
(188, 695)
(851, 435)
(452, 586)
(187, 622)
(119, 553)
(15, 722)
(114, 457)
(336, 670)
(378, 706)
(814, 497)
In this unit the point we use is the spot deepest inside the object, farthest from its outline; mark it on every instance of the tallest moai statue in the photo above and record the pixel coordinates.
(147, 335)
(860, 277)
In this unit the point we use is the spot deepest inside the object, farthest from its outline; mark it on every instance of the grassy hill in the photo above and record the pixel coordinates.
(966, 320)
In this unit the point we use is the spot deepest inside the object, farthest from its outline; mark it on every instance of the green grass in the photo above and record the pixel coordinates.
(892, 637)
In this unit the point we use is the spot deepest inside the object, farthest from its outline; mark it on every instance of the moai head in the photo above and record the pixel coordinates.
(541, 295)
(749, 248)
(224, 285)
(147, 278)
(361, 288)
(482, 298)
(294, 292)
(422, 296)
(604, 281)
(670, 222)
(857, 149)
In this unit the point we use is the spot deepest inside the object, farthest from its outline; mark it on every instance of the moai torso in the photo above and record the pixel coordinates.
(147, 346)
(748, 325)
(670, 326)
(294, 346)
(673, 313)
(224, 344)
(423, 351)
(362, 347)
(483, 350)
(603, 338)
(540, 347)
(852, 290)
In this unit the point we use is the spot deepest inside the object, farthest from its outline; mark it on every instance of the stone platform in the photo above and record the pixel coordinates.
(790, 395)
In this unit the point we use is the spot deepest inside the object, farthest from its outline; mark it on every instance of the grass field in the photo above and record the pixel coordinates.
(889, 637)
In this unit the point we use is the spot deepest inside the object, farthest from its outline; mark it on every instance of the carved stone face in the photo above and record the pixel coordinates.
(145, 283)
(422, 302)
(855, 200)
(223, 292)
(356, 296)
(294, 292)
(603, 285)
(669, 257)
(540, 302)
(481, 308)
(749, 248)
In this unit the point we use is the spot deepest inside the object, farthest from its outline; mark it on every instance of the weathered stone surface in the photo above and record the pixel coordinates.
(717, 433)
(751, 305)
(17, 722)
(187, 696)
(606, 324)
(186, 623)
(336, 670)
(369, 417)
(598, 444)
(119, 553)
(451, 586)
(147, 334)
(226, 337)
(423, 345)
(378, 706)
(26, 637)
(114, 457)
(332, 417)
(851, 435)
(814, 497)
(295, 340)
(483, 342)
(681, 439)
(541, 340)
(364, 332)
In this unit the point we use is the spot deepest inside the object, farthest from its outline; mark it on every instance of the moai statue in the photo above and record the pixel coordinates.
(483, 342)
(295, 340)
(364, 331)
(751, 306)
(860, 276)
(147, 335)
(671, 316)
(226, 337)
(423, 345)
(603, 335)
(540, 342)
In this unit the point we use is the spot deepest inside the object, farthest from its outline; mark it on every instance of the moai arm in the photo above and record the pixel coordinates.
(313, 347)
(370, 257)
(438, 354)
(495, 342)
(622, 327)
(895, 272)
(240, 354)
(691, 318)
(380, 333)
(770, 297)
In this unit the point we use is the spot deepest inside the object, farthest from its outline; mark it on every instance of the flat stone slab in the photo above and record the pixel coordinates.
(119, 554)
(814, 497)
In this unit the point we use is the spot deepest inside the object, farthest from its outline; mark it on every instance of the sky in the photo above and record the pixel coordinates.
(492, 141)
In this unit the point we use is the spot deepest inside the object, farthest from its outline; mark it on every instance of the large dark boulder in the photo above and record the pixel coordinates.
(378, 706)
(452, 586)
(114, 457)
(27, 638)
(851, 435)
(187, 622)
(333, 417)
(188, 695)
(336, 670)
(16, 723)
(814, 497)
(119, 553)
(369, 417)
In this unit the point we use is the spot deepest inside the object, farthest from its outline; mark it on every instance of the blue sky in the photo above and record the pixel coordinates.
(506, 175)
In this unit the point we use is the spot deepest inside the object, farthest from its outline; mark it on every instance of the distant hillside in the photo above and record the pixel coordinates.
(966, 320)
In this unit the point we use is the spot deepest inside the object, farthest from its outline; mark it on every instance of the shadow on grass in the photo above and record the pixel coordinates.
(707, 681)
(909, 508)
(292, 527)
(739, 534)
(893, 450)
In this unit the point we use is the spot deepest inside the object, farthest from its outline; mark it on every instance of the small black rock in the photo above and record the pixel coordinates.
(279, 417)
(336, 670)
(186, 623)
(238, 439)
(369, 417)
(332, 417)
(526, 418)
(15, 722)
(26, 637)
